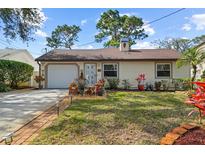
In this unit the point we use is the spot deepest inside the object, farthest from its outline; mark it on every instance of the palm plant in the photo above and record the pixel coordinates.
(193, 56)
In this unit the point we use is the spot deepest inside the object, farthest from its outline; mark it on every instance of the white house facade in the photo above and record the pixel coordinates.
(60, 67)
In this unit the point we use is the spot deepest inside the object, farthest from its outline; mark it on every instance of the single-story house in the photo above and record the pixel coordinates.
(60, 67)
(21, 55)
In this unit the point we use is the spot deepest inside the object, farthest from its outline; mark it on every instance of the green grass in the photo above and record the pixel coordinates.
(121, 118)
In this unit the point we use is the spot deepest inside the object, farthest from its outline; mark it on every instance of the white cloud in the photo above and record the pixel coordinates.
(40, 33)
(184, 37)
(143, 45)
(186, 27)
(199, 21)
(83, 47)
(83, 22)
(128, 14)
(148, 29)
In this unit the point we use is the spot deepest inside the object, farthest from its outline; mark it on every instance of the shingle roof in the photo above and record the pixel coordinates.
(107, 54)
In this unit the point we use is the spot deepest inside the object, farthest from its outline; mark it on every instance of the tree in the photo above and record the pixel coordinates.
(179, 44)
(20, 23)
(15, 72)
(113, 27)
(193, 56)
(63, 36)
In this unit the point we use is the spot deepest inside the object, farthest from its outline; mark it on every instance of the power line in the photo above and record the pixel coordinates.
(6, 43)
(148, 23)
(166, 16)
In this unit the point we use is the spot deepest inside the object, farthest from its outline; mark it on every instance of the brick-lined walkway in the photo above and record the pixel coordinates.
(29, 131)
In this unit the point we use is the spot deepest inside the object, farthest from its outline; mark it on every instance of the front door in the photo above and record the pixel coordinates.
(90, 74)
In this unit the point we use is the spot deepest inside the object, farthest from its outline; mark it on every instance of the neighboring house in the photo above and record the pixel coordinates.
(60, 67)
(201, 67)
(21, 55)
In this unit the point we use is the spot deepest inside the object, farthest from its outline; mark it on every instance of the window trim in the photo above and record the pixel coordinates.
(161, 63)
(110, 64)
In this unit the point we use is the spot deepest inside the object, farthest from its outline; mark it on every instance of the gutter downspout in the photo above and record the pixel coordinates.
(39, 84)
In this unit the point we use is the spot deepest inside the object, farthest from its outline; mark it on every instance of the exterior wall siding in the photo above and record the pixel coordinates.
(130, 71)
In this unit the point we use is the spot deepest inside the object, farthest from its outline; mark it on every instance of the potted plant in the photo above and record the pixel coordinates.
(81, 84)
(39, 79)
(73, 88)
(140, 79)
(126, 84)
(158, 85)
(99, 86)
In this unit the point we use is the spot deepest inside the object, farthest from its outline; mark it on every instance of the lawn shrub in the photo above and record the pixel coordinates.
(183, 84)
(113, 83)
(126, 84)
(14, 73)
(4, 87)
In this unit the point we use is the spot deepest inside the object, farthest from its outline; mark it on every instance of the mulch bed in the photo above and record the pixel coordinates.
(192, 137)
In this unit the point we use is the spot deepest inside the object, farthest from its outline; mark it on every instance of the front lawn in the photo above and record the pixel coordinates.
(121, 118)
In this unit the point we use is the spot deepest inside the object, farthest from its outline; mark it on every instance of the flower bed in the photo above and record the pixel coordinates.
(193, 137)
(187, 134)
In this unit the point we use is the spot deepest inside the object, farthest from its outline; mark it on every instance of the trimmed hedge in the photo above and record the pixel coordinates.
(14, 73)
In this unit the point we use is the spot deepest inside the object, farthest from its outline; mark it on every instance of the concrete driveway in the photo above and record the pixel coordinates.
(18, 108)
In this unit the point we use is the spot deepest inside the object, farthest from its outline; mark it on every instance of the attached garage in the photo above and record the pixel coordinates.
(61, 75)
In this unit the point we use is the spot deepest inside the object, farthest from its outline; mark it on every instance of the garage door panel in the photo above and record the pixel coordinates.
(60, 76)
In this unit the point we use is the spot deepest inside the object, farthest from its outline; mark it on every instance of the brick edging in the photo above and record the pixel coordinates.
(174, 134)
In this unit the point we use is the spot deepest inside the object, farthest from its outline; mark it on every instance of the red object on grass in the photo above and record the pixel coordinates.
(198, 99)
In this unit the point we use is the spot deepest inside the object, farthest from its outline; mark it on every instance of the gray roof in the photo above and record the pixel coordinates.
(107, 54)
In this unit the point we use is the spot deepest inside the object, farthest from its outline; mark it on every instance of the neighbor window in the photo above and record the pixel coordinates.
(163, 70)
(110, 70)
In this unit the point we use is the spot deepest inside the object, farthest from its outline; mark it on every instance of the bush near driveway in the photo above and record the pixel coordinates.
(14, 73)
(4, 87)
(121, 118)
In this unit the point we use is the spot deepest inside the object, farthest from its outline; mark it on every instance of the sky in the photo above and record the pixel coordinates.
(188, 23)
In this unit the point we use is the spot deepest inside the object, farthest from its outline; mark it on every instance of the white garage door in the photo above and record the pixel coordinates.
(60, 76)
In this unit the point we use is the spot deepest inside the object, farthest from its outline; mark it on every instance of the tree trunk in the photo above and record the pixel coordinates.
(194, 74)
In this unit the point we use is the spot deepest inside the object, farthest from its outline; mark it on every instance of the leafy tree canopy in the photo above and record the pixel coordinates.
(113, 27)
(179, 44)
(63, 36)
(20, 22)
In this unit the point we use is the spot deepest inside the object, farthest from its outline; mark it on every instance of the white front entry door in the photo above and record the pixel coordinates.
(60, 76)
(90, 74)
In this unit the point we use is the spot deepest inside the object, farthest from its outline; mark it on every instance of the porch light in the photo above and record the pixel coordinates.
(8, 138)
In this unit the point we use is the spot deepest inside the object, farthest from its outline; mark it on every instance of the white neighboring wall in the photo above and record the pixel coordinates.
(201, 67)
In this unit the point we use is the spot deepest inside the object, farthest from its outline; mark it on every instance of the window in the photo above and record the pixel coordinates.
(163, 70)
(110, 70)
